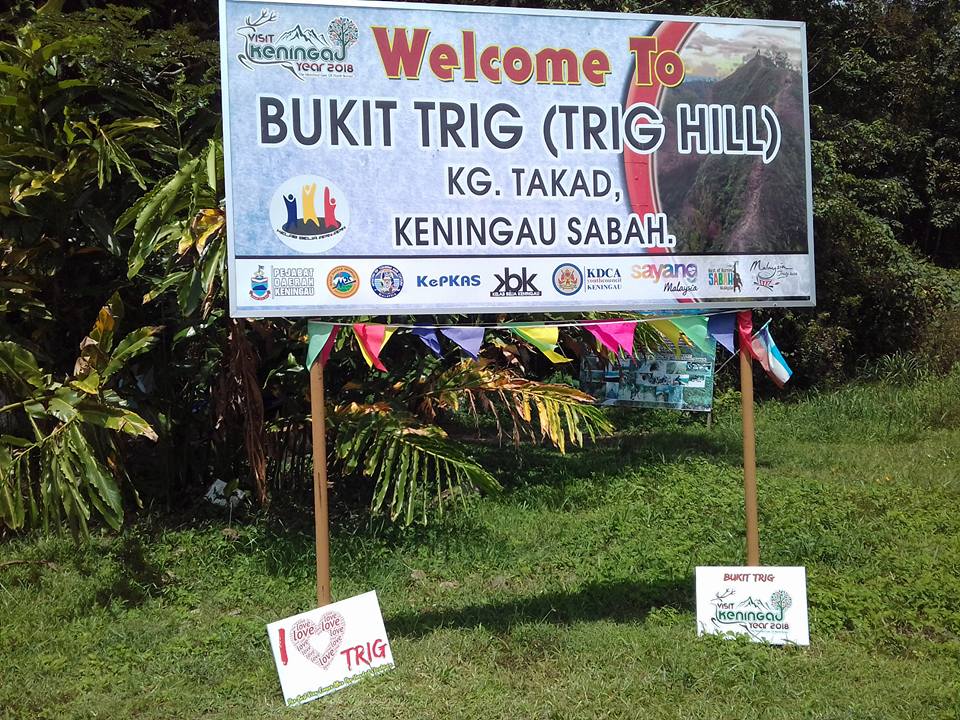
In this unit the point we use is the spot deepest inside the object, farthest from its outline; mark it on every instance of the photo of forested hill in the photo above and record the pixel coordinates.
(738, 204)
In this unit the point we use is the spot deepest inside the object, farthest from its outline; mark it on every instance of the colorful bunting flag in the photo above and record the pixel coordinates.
(544, 338)
(694, 327)
(721, 328)
(372, 340)
(669, 331)
(468, 338)
(429, 337)
(614, 336)
(321, 338)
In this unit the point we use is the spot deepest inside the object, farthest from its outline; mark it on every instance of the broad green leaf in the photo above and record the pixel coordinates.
(115, 418)
(136, 343)
(19, 365)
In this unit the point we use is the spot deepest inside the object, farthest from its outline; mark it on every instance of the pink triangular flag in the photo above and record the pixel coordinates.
(614, 336)
(372, 339)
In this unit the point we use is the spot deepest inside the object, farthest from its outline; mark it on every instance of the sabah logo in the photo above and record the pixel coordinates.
(567, 279)
(343, 281)
(387, 281)
(302, 51)
(309, 214)
(259, 285)
(725, 277)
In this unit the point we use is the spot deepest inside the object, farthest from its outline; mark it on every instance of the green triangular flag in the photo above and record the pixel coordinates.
(320, 334)
(695, 328)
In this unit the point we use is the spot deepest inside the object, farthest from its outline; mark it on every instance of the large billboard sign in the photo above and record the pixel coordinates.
(400, 158)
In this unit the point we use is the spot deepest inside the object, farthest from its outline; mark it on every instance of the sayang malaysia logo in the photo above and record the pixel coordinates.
(725, 277)
(259, 285)
(343, 281)
(386, 281)
(567, 279)
(302, 51)
(767, 275)
(297, 220)
(513, 284)
(679, 278)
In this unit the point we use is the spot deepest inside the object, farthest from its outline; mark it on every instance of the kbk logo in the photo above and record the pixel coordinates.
(515, 284)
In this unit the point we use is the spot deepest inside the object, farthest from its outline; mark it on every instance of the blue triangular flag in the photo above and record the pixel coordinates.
(721, 329)
(468, 338)
(429, 337)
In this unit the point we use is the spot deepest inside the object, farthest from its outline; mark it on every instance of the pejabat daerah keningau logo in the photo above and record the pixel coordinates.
(301, 50)
(309, 214)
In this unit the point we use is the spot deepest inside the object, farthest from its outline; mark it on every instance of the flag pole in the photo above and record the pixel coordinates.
(320, 514)
(749, 458)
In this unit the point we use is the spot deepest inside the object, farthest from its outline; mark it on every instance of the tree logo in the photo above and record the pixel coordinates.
(309, 214)
(302, 51)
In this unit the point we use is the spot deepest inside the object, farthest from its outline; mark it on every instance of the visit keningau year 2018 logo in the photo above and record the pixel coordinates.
(309, 214)
(301, 50)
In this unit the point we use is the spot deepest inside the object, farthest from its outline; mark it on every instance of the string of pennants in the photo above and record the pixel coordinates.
(615, 336)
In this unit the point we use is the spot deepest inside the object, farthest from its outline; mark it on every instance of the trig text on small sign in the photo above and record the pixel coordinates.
(326, 649)
(768, 604)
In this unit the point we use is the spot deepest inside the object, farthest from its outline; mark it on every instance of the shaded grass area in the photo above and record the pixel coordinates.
(569, 596)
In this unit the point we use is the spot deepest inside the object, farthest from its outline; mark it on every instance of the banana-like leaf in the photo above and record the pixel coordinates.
(413, 466)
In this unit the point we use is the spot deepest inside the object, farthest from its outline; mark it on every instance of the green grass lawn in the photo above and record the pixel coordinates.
(569, 596)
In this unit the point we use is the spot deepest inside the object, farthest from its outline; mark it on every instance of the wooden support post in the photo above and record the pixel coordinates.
(320, 514)
(749, 459)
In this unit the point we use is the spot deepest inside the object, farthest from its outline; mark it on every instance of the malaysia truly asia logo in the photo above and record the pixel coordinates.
(302, 51)
(767, 275)
(309, 214)
(260, 285)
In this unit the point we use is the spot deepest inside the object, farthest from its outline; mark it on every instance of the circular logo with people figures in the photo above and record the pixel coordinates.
(309, 214)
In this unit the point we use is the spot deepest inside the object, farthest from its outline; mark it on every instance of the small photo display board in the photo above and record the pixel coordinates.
(768, 604)
(324, 650)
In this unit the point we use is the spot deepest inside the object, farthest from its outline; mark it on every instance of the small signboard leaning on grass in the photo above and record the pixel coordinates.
(768, 604)
(324, 650)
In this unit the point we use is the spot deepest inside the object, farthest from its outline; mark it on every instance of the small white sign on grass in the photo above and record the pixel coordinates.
(766, 603)
(326, 649)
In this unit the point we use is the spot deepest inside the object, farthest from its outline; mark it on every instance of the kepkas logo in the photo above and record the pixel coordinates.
(512, 284)
(309, 214)
(302, 51)
(448, 281)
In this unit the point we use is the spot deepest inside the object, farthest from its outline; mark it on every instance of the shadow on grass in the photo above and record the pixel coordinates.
(620, 601)
(610, 456)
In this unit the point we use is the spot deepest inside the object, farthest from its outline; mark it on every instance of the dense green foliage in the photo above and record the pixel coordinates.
(568, 596)
(111, 187)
